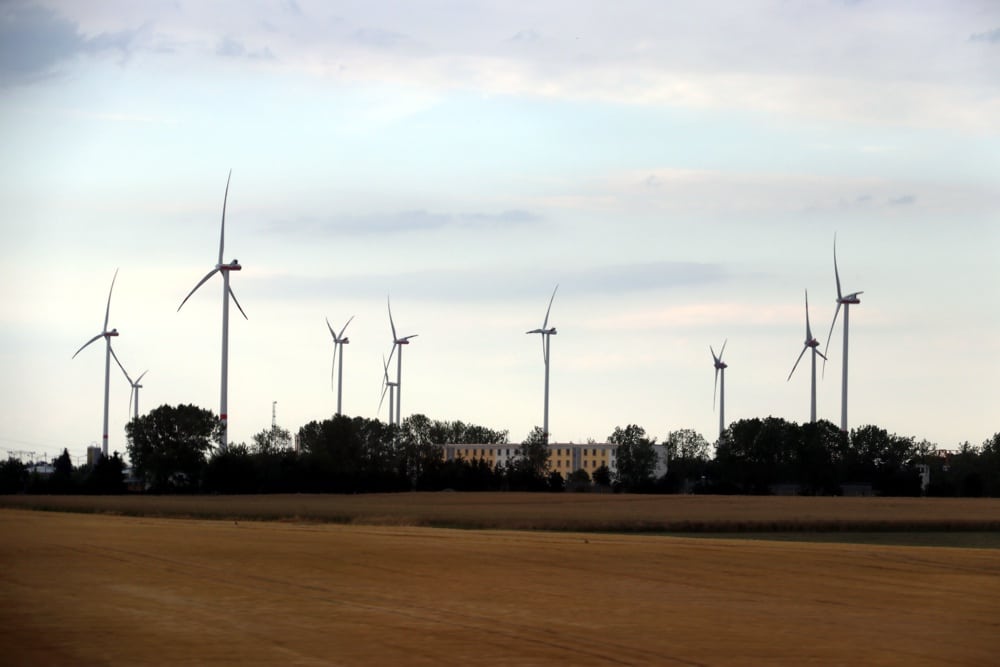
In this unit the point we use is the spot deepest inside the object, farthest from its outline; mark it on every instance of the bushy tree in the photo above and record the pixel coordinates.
(270, 441)
(636, 457)
(13, 476)
(61, 480)
(168, 446)
(106, 476)
(602, 476)
(687, 454)
(881, 458)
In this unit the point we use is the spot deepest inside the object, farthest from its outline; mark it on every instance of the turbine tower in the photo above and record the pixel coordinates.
(387, 385)
(134, 384)
(814, 344)
(720, 371)
(338, 342)
(546, 333)
(107, 335)
(227, 293)
(846, 301)
(397, 346)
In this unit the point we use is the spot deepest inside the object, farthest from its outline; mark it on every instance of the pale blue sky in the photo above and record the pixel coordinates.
(679, 170)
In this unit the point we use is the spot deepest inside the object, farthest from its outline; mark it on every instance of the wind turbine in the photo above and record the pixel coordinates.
(397, 346)
(546, 333)
(134, 393)
(338, 342)
(227, 292)
(809, 343)
(107, 335)
(720, 366)
(387, 385)
(845, 301)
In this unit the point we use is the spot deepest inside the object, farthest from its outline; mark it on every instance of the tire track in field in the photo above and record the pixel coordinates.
(505, 631)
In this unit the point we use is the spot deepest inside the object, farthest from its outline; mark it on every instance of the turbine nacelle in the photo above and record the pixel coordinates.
(850, 299)
(232, 266)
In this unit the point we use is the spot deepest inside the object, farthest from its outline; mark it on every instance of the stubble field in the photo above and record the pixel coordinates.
(99, 589)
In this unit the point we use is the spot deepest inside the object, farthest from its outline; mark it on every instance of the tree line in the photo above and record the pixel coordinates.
(175, 449)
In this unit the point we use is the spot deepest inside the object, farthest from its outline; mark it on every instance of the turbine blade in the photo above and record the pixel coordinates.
(107, 311)
(131, 394)
(328, 326)
(545, 324)
(200, 283)
(716, 387)
(345, 327)
(222, 236)
(808, 329)
(139, 379)
(121, 367)
(832, 325)
(333, 368)
(391, 323)
(232, 294)
(385, 388)
(816, 351)
(836, 273)
(723, 350)
(804, 348)
(714, 358)
(86, 344)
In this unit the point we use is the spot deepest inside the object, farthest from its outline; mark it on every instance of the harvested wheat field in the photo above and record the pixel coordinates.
(88, 589)
(561, 511)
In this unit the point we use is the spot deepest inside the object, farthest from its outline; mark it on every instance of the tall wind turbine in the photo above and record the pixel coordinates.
(106, 335)
(134, 384)
(397, 346)
(387, 385)
(227, 292)
(546, 333)
(814, 344)
(338, 342)
(720, 371)
(846, 301)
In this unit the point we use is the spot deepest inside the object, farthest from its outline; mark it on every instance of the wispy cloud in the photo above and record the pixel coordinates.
(405, 222)
(232, 48)
(34, 41)
(990, 36)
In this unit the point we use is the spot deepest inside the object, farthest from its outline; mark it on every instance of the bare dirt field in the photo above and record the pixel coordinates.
(95, 589)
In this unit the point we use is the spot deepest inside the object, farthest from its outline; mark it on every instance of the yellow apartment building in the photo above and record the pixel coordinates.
(564, 457)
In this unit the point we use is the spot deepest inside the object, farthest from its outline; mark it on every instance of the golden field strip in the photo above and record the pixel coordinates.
(560, 511)
(97, 589)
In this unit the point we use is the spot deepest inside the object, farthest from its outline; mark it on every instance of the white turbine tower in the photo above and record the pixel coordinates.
(106, 335)
(814, 344)
(227, 293)
(720, 371)
(387, 385)
(846, 301)
(134, 384)
(546, 333)
(397, 347)
(338, 342)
